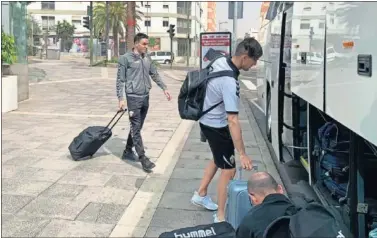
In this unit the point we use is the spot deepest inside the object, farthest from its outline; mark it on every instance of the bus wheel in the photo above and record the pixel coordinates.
(268, 117)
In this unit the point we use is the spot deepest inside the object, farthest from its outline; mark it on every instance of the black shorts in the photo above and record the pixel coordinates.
(221, 144)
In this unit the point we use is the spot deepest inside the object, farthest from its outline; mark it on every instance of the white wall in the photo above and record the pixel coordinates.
(70, 6)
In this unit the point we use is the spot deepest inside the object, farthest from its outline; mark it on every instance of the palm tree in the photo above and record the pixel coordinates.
(131, 23)
(117, 17)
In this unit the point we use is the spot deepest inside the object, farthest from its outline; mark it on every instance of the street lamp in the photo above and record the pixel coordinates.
(222, 22)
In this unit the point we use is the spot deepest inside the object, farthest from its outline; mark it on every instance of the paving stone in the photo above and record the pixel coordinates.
(13, 203)
(23, 187)
(106, 195)
(128, 231)
(192, 164)
(125, 182)
(190, 185)
(174, 218)
(63, 190)
(14, 226)
(126, 168)
(195, 155)
(22, 160)
(8, 171)
(51, 207)
(85, 178)
(182, 201)
(102, 213)
(56, 164)
(153, 231)
(184, 173)
(91, 167)
(197, 147)
(64, 228)
(38, 174)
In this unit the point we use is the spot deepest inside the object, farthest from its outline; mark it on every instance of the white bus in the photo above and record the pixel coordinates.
(318, 67)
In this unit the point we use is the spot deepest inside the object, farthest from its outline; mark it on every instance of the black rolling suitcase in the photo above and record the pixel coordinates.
(86, 144)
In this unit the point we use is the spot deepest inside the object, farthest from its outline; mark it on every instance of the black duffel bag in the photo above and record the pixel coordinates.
(221, 229)
(86, 144)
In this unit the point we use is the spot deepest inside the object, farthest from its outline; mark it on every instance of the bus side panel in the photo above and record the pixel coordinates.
(262, 80)
(307, 59)
(287, 137)
(351, 92)
(272, 73)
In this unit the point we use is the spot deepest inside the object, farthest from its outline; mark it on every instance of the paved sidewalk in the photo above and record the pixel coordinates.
(175, 210)
(46, 194)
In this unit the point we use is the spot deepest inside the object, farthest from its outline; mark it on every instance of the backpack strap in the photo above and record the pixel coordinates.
(222, 73)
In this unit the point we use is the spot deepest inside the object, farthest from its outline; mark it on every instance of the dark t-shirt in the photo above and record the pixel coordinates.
(259, 217)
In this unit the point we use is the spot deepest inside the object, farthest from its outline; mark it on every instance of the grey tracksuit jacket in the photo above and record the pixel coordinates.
(134, 75)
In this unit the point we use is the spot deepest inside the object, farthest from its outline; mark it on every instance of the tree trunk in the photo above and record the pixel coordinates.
(116, 42)
(131, 23)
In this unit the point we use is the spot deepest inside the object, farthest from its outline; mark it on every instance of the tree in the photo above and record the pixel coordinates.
(117, 17)
(33, 29)
(131, 23)
(64, 32)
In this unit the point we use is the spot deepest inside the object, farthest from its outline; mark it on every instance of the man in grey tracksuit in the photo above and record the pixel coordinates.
(134, 71)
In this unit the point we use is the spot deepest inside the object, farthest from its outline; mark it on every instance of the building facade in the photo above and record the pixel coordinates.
(189, 18)
(47, 14)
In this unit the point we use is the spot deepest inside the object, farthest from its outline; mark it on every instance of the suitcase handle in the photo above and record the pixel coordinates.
(119, 111)
(239, 177)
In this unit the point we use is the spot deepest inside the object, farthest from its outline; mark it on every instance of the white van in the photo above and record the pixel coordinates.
(164, 57)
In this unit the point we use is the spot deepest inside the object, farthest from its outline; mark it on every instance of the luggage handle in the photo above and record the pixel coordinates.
(119, 111)
(239, 177)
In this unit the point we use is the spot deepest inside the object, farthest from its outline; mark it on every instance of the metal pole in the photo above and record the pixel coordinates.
(196, 38)
(171, 52)
(91, 32)
(107, 30)
(188, 34)
(235, 25)
(147, 15)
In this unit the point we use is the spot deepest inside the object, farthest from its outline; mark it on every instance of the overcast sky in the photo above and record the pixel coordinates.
(251, 11)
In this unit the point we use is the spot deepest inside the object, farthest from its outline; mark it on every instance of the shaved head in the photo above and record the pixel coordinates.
(261, 183)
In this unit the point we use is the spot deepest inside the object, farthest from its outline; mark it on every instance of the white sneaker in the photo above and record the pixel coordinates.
(205, 201)
(216, 219)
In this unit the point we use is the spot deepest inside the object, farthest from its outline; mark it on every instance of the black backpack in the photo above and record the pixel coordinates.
(193, 91)
(310, 220)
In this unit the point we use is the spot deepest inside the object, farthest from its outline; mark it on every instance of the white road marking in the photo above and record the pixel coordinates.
(253, 101)
(248, 77)
(249, 85)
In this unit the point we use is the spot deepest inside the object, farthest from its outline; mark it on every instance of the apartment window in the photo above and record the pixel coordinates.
(183, 25)
(321, 25)
(165, 22)
(305, 24)
(183, 7)
(182, 47)
(147, 6)
(76, 23)
(48, 5)
(201, 12)
(332, 21)
(165, 6)
(48, 22)
(147, 21)
(307, 8)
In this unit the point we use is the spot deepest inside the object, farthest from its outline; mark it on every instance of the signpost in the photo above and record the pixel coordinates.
(212, 43)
